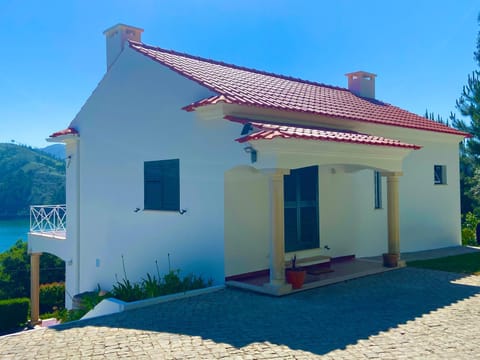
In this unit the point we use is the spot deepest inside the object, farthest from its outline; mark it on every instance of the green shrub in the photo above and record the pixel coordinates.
(469, 226)
(65, 315)
(151, 286)
(52, 296)
(172, 283)
(13, 313)
(127, 291)
(193, 282)
(468, 237)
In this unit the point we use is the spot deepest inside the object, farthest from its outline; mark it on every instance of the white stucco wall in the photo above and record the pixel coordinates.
(135, 116)
(429, 213)
(247, 221)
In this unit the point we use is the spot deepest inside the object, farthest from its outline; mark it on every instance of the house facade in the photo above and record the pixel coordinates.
(221, 170)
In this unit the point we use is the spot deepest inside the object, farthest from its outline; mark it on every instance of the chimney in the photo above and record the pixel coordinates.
(117, 36)
(362, 83)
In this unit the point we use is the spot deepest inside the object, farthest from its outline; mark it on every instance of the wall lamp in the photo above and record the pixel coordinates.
(253, 153)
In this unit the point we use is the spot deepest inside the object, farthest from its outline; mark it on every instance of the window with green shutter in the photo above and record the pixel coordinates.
(162, 185)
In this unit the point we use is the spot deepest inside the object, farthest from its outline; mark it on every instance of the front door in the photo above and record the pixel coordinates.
(301, 209)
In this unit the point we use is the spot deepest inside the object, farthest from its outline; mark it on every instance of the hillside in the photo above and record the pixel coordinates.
(28, 177)
(56, 150)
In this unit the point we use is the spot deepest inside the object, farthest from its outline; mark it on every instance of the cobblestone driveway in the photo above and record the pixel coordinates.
(404, 314)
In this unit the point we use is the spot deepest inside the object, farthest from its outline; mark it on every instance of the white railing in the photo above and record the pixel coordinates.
(48, 218)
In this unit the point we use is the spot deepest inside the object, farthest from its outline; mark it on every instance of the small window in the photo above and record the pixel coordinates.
(162, 185)
(377, 183)
(440, 174)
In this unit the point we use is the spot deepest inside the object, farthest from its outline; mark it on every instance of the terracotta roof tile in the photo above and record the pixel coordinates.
(268, 131)
(69, 131)
(239, 85)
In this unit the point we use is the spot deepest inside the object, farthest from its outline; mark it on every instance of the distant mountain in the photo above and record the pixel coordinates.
(29, 177)
(56, 150)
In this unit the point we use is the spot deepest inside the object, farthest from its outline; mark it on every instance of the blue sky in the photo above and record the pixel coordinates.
(53, 52)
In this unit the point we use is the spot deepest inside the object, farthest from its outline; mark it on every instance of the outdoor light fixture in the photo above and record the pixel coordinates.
(69, 160)
(253, 153)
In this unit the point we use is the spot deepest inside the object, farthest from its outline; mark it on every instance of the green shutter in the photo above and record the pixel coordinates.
(162, 185)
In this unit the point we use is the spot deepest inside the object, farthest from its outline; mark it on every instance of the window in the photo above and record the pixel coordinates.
(301, 220)
(439, 174)
(162, 185)
(377, 184)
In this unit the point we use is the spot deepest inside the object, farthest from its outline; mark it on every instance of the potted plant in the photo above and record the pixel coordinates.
(295, 275)
(390, 260)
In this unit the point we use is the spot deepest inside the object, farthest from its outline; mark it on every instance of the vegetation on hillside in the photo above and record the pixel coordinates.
(28, 177)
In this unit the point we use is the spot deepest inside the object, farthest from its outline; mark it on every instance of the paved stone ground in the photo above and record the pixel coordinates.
(404, 314)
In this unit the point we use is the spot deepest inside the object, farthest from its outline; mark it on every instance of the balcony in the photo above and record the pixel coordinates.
(48, 221)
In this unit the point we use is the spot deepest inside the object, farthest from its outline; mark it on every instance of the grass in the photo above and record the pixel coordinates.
(464, 264)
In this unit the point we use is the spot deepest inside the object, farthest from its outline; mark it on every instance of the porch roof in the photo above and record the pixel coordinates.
(269, 131)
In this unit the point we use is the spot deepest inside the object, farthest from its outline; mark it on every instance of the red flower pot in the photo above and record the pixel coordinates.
(296, 278)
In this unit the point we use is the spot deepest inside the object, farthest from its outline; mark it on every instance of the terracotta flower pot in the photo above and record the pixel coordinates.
(390, 260)
(296, 278)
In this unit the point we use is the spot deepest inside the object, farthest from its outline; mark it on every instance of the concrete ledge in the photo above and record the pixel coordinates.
(112, 305)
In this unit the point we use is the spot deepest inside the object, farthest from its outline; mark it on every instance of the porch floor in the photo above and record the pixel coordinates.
(337, 272)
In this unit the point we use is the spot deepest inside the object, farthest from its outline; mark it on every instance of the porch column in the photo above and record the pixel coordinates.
(393, 256)
(35, 288)
(277, 284)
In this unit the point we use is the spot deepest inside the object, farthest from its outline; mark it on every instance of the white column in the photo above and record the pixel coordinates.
(277, 284)
(35, 288)
(393, 218)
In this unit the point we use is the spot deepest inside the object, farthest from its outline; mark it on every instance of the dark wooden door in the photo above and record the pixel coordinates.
(301, 209)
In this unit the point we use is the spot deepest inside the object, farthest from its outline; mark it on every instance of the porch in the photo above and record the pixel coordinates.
(317, 275)
(47, 235)
(298, 191)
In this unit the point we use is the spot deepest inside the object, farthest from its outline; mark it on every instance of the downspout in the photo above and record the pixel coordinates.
(77, 220)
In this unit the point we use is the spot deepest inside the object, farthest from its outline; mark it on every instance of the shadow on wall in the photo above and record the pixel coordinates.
(317, 321)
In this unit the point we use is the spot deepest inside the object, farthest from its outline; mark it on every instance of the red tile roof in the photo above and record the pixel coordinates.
(239, 85)
(69, 131)
(268, 131)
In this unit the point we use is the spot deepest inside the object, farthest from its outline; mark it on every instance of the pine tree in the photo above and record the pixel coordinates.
(469, 106)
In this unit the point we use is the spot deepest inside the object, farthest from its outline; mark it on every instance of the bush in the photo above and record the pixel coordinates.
(151, 286)
(52, 296)
(469, 226)
(13, 313)
(468, 237)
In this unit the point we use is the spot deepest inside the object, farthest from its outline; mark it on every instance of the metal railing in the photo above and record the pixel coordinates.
(48, 218)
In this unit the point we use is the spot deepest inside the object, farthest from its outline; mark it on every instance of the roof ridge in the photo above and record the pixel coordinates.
(238, 67)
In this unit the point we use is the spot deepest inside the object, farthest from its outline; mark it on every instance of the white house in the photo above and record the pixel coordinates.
(224, 170)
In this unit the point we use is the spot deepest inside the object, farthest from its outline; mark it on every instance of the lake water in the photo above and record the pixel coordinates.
(11, 231)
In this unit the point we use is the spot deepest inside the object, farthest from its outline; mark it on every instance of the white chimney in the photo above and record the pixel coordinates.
(117, 36)
(362, 83)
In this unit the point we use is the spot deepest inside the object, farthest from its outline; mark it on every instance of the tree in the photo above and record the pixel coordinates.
(469, 107)
(15, 271)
